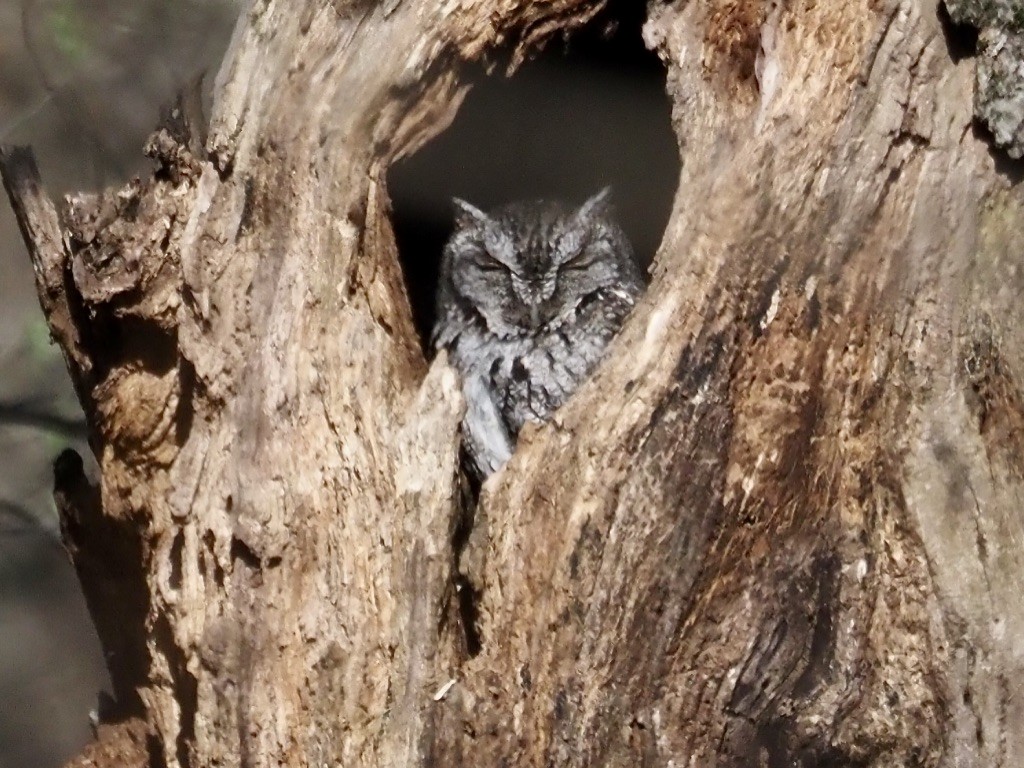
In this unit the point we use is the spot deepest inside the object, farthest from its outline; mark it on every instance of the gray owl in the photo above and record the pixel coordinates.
(529, 296)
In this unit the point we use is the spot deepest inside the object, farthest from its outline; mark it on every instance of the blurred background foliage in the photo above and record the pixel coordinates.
(83, 82)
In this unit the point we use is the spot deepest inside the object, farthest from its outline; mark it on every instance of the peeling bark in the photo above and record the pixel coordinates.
(780, 526)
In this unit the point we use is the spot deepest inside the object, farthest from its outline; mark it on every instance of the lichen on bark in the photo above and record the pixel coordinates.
(999, 85)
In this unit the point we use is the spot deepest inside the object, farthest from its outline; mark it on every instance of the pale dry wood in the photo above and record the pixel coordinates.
(41, 231)
(782, 524)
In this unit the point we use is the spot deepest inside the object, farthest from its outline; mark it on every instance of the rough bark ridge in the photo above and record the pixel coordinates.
(781, 526)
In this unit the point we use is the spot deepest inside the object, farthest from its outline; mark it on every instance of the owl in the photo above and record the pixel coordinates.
(528, 298)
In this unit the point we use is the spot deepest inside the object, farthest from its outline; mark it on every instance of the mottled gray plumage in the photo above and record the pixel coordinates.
(530, 294)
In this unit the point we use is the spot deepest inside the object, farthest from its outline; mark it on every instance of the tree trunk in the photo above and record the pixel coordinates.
(780, 526)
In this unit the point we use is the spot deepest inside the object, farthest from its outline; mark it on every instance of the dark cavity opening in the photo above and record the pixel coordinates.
(961, 39)
(587, 112)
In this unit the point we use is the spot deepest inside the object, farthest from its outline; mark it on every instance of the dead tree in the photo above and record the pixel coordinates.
(780, 526)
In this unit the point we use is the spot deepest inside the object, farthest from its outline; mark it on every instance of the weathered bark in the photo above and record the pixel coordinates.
(782, 524)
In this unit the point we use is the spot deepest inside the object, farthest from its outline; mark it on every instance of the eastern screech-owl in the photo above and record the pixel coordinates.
(529, 296)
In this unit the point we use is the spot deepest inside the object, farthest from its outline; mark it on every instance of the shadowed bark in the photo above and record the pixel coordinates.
(780, 526)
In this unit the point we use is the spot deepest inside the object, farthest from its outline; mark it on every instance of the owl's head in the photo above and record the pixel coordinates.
(527, 267)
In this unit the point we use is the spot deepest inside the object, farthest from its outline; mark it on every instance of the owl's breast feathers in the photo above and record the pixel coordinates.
(532, 375)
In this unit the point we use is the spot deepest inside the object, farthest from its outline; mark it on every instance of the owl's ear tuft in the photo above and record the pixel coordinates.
(601, 203)
(468, 214)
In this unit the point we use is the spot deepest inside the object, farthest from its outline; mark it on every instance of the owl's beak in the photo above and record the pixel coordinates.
(535, 316)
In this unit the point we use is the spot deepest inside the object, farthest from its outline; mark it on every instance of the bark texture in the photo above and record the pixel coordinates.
(782, 525)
